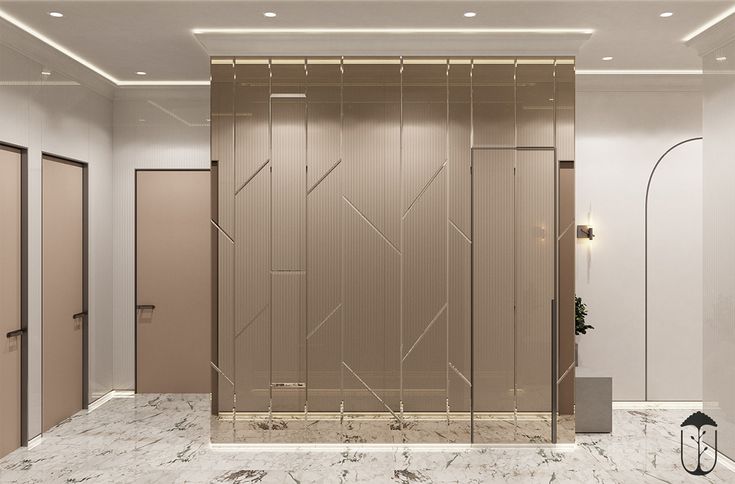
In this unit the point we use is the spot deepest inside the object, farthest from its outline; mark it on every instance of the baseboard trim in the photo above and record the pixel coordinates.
(109, 396)
(657, 405)
(722, 459)
(35, 441)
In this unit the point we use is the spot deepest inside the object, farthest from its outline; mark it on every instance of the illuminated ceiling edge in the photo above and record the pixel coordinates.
(253, 31)
(709, 24)
(121, 83)
(27, 29)
(89, 65)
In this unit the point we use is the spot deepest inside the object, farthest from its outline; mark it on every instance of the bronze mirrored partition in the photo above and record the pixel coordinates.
(391, 240)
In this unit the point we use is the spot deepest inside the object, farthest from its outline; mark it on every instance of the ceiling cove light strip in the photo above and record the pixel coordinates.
(162, 83)
(6, 16)
(29, 30)
(254, 31)
(709, 24)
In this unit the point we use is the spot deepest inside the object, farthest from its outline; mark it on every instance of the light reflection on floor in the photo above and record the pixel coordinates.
(165, 438)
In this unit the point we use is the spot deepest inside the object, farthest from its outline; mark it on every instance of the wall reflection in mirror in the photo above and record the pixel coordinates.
(391, 238)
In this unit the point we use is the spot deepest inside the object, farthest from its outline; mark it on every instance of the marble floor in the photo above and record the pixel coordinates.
(165, 438)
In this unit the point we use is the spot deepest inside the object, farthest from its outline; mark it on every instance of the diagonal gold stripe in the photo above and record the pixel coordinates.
(371, 224)
(252, 320)
(431, 180)
(371, 391)
(250, 178)
(426, 330)
(324, 321)
(223, 232)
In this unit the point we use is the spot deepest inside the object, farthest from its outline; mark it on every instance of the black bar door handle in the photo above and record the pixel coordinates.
(16, 332)
(79, 315)
(145, 306)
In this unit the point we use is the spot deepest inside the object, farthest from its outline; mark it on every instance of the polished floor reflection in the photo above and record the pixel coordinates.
(521, 428)
(165, 438)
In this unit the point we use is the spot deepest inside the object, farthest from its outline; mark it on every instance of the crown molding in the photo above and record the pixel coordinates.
(391, 42)
(714, 37)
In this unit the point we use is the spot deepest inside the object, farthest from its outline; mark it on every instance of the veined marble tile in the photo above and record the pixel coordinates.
(166, 438)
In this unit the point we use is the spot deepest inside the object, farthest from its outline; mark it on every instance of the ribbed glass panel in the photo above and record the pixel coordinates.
(534, 282)
(253, 293)
(493, 280)
(324, 119)
(324, 280)
(324, 235)
(288, 237)
(564, 102)
(252, 93)
(535, 104)
(371, 217)
(385, 228)
(424, 241)
(222, 146)
(493, 104)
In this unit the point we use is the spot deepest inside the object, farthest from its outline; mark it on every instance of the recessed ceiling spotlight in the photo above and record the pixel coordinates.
(666, 14)
(721, 58)
(56, 14)
(551, 99)
(269, 14)
(141, 120)
(141, 73)
(470, 14)
(607, 58)
(45, 73)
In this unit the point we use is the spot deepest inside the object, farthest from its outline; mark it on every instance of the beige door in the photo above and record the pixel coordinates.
(10, 340)
(173, 282)
(63, 289)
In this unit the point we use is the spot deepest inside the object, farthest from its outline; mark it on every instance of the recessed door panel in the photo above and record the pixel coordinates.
(10, 318)
(494, 279)
(172, 282)
(63, 290)
(534, 261)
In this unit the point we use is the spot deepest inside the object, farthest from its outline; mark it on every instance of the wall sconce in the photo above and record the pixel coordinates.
(585, 232)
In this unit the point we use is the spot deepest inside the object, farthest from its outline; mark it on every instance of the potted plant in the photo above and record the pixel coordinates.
(580, 324)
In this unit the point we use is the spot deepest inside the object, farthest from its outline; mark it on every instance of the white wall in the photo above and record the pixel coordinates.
(58, 115)
(719, 233)
(624, 124)
(153, 128)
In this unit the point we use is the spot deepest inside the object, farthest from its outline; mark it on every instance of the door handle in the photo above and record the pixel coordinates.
(79, 315)
(15, 332)
(141, 307)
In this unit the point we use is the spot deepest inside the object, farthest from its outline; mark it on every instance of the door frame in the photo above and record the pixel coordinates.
(23, 289)
(85, 273)
(135, 259)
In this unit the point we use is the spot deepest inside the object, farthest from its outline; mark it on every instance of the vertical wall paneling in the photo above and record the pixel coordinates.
(222, 146)
(371, 262)
(288, 235)
(459, 108)
(424, 225)
(494, 276)
(324, 230)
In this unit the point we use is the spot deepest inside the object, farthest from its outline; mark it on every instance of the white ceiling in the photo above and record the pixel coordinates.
(122, 37)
